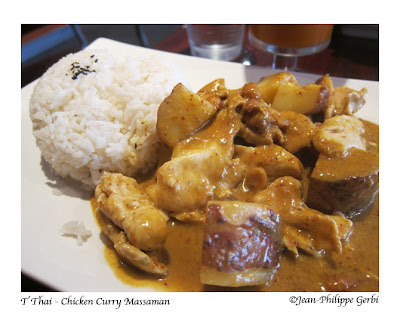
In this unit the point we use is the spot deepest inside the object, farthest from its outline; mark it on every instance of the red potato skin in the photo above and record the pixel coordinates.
(348, 185)
(231, 248)
(351, 196)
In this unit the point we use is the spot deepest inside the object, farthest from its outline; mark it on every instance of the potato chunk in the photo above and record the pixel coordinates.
(347, 184)
(307, 100)
(270, 84)
(242, 244)
(181, 114)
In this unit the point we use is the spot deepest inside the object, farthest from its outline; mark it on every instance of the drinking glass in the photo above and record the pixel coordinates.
(216, 41)
(289, 41)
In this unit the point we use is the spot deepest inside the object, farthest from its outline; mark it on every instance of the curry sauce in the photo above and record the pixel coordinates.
(355, 269)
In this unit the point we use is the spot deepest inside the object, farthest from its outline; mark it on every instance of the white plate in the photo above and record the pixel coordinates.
(56, 260)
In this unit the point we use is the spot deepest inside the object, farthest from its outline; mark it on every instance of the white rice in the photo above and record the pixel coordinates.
(76, 229)
(105, 118)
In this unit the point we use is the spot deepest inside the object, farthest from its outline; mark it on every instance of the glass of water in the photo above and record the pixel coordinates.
(216, 41)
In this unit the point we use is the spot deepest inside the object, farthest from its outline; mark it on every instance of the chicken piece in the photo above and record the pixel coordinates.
(345, 101)
(298, 133)
(199, 167)
(261, 123)
(216, 88)
(251, 91)
(303, 227)
(337, 135)
(242, 244)
(274, 159)
(128, 206)
(347, 184)
(126, 250)
(181, 114)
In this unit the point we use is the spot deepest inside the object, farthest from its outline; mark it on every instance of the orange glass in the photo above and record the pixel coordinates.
(291, 39)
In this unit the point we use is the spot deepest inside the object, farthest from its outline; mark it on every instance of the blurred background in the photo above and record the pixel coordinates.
(42, 45)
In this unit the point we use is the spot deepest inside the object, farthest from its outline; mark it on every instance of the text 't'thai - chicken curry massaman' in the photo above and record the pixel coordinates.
(270, 187)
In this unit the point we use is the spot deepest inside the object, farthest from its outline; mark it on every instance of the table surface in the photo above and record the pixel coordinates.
(349, 57)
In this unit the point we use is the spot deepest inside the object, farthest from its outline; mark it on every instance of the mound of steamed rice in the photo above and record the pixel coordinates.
(93, 112)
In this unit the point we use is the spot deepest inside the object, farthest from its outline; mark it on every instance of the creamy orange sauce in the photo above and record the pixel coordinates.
(183, 247)
(356, 269)
(359, 262)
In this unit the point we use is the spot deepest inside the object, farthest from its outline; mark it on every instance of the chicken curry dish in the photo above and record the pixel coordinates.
(270, 187)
